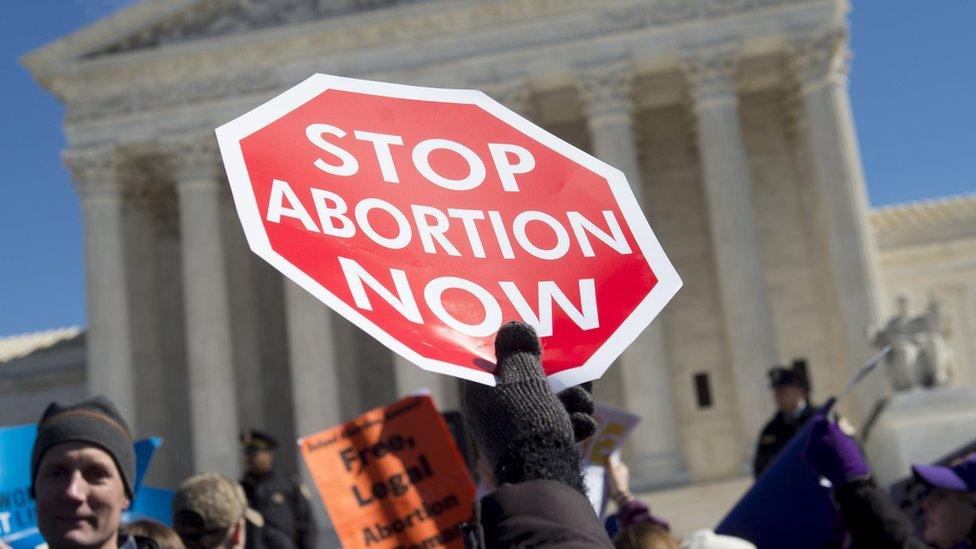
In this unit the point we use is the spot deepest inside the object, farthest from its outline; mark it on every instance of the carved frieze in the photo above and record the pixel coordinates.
(711, 75)
(211, 18)
(820, 57)
(607, 90)
(195, 160)
(95, 172)
(224, 72)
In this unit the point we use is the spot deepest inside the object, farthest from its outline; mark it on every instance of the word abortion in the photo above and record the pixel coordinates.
(431, 225)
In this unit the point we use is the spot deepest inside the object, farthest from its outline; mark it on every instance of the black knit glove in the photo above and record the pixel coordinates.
(578, 401)
(521, 427)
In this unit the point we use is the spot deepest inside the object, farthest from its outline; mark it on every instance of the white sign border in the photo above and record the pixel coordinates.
(230, 134)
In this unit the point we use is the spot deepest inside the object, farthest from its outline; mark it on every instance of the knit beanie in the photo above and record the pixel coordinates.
(95, 421)
(520, 425)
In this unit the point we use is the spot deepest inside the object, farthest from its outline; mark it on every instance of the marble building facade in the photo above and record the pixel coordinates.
(730, 118)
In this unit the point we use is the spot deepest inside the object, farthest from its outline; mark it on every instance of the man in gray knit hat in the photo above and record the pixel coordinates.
(83, 467)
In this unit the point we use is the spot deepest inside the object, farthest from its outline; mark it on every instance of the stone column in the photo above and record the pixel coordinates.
(819, 63)
(735, 239)
(210, 368)
(110, 366)
(640, 382)
(314, 377)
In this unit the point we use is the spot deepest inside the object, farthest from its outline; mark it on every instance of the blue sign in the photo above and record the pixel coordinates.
(18, 514)
(787, 506)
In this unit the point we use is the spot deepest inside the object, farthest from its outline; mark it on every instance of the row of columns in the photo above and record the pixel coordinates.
(642, 380)
(640, 383)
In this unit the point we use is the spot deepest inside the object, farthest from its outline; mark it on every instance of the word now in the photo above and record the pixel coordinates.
(431, 225)
(345, 163)
(586, 317)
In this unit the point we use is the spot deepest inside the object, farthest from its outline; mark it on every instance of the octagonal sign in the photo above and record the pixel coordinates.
(428, 217)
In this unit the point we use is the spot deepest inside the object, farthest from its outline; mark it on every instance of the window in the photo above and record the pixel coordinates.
(703, 391)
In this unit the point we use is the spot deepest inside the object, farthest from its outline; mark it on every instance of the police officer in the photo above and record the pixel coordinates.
(791, 390)
(284, 502)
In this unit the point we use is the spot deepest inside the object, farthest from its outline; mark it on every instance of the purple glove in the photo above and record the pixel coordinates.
(832, 454)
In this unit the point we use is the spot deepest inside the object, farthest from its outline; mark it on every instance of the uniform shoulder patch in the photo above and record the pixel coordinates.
(767, 439)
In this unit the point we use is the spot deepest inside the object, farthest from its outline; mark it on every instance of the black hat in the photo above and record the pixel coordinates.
(781, 376)
(95, 421)
(253, 440)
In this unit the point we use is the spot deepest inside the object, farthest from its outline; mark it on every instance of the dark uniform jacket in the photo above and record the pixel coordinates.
(540, 513)
(776, 434)
(287, 512)
(874, 521)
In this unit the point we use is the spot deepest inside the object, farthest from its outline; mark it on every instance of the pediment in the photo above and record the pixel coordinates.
(210, 18)
(155, 23)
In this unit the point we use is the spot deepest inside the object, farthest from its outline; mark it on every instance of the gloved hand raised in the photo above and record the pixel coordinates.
(578, 401)
(833, 454)
(520, 425)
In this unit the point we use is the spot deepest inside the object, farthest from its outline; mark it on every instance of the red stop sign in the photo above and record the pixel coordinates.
(428, 217)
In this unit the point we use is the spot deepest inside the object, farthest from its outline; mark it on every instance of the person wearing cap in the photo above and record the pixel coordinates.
(870, 516)
(790, 391)
(83, 467)
(284, 502)
(211, 511)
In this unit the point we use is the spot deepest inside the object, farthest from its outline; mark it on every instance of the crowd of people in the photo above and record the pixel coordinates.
(83, 468)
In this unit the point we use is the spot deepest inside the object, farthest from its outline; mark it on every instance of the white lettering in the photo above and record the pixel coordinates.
(586, 317)
(507, 170)
(615, 239)
(493, 312)
(403, 302)
(429, 233)
(468, 218)
(347, 162)
(328, 215)
(498, 226)
(280, 191)
(381, 145)
(476, 168)
(562, 237)
(404, 233)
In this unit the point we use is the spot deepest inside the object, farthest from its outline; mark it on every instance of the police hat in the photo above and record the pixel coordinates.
(781, 376)
(253, 440)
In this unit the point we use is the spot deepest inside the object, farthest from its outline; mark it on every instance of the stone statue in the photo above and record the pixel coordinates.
(919, 354)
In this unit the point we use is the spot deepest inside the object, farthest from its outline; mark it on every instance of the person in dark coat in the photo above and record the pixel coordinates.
(790, 390)
(283, 502)
(871, 517)
(527, 434)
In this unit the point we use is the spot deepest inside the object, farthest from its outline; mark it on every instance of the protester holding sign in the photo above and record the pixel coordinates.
(83, 467)
(871, 517)
(527, 437)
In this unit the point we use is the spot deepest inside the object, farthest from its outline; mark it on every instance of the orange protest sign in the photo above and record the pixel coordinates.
(392, 478)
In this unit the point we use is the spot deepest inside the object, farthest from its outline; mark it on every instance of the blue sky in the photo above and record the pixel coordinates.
(913, 90)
